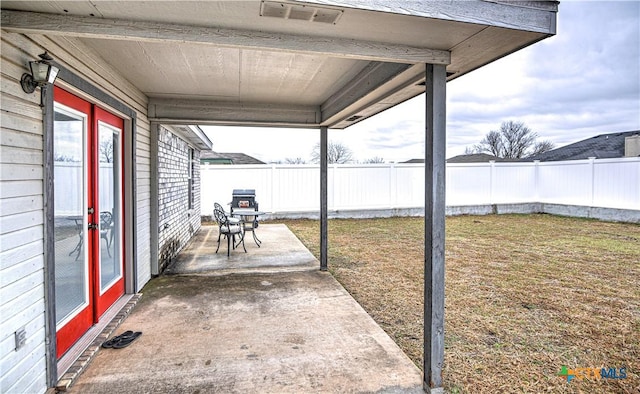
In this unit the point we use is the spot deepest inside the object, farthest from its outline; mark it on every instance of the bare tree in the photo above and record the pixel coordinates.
(297, 160)
(374, 160)
(65, 158)
(514, 140)
(337, 153)
(106, 151)
(541, 147)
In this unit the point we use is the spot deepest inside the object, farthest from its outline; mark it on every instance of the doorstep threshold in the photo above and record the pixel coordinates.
(76, 360)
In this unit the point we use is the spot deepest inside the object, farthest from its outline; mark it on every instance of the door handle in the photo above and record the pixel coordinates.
(93, 226)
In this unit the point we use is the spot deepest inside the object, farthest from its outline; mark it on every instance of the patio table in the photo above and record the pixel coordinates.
(249, 219)
(78, 220)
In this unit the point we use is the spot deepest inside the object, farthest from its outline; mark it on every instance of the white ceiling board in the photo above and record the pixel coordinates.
(293, 78)
(226, 55)
(227, 74)
(469, 55)
(154, 31)
(173, 70)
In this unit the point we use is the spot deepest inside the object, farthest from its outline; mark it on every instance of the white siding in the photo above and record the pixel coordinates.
(21, 219)
(22, 235)
(143, 201)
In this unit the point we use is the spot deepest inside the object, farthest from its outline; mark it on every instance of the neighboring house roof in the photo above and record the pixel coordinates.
(227, 158)
(473, 158)
(603, 146)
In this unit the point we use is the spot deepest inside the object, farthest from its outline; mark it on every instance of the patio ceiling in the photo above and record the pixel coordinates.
(298, 64)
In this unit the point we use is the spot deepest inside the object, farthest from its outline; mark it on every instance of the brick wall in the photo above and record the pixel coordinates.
(176, 222)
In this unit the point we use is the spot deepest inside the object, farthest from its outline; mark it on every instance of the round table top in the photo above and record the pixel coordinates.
(247, 212)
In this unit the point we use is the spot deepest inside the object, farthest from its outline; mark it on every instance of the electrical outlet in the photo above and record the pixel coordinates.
(21, 338)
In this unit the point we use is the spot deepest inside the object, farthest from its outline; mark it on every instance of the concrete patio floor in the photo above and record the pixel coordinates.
(281, 251)
(272, 326)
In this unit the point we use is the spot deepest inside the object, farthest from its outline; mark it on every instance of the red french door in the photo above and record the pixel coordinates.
(89, 263)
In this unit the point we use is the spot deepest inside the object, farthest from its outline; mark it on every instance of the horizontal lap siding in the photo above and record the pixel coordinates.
(21, 224)
(22, 237)
(143, 201)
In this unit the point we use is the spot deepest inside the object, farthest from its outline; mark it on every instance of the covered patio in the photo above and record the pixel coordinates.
(306, 64)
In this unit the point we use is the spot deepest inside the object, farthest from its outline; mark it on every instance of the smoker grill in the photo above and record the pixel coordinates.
(244, 198)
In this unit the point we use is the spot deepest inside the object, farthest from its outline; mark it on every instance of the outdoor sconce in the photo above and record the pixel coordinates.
(42, 73)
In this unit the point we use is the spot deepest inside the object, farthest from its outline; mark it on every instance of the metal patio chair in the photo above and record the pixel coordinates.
(106, 229)
(229, 228)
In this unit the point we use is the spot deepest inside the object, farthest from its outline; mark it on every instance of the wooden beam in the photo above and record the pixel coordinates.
(435, 163)
(536, 16)
(104, 28)
(48, 118)
(373, 77)
(154, 219)
(185, 111)
(324, 217)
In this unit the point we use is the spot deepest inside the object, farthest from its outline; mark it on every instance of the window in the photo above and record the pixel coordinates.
(190, 169)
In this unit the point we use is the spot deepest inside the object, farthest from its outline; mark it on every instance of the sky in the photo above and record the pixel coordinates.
(582, 82)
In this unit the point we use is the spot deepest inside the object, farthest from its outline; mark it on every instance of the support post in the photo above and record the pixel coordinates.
(154, 219)
(435, 152)
(324, 224)
(49, 241)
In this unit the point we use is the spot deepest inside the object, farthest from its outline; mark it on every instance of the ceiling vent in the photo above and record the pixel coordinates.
(299, 12)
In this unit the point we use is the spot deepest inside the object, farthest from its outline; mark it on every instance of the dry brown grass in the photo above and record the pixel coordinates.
(525, 294)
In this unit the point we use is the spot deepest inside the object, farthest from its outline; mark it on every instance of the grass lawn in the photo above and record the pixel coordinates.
(525, 295)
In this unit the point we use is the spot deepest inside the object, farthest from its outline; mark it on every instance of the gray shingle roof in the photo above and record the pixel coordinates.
(603, 146)
(470, 158)
(473, 158)
(234, 158)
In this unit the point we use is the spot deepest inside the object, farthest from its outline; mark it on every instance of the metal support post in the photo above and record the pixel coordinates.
(435, 153)
(324, 224)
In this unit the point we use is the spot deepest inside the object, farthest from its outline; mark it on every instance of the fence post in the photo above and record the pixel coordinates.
(272, 185)
(492, 164)
(536, 181)
(592, 161)
(393, 186)
(334, 175)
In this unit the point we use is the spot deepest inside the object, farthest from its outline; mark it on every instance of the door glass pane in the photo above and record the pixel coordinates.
(110, 205)
(70, 213)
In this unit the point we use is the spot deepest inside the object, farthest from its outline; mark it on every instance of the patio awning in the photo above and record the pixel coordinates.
(285, 63)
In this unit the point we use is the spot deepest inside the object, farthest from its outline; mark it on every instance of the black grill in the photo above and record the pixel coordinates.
(244, 198)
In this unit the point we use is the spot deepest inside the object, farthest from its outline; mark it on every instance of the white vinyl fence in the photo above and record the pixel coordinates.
(68, 176)
(605, 183)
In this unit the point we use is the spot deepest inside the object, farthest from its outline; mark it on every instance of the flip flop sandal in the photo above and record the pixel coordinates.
(109, 344)
(126, 341)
